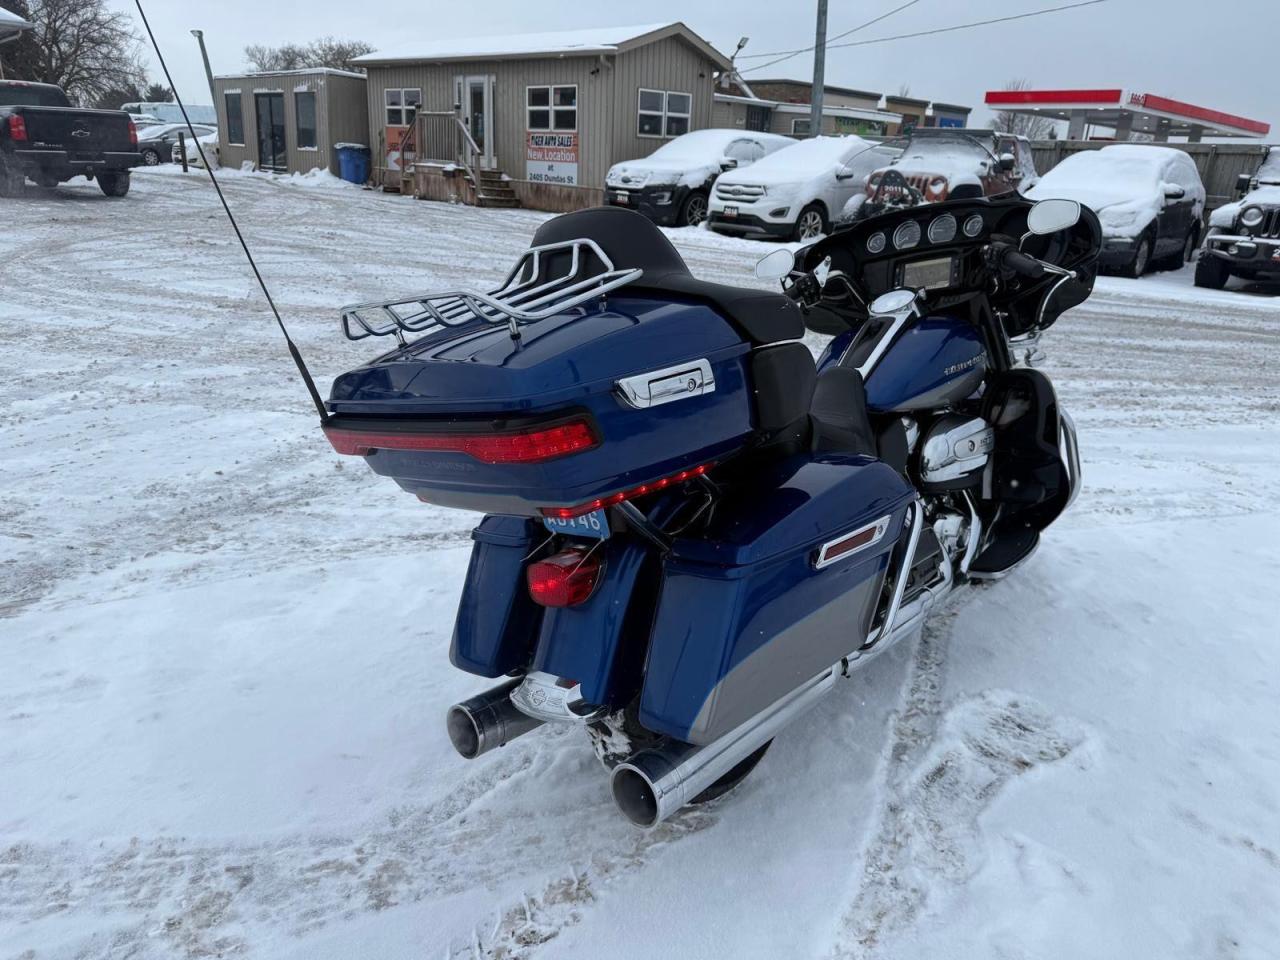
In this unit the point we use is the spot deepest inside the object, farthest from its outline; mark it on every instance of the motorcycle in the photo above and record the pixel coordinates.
(692, 530)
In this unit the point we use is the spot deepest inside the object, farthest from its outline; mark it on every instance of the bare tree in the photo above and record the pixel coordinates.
(1023, 124)
(325, 52)
(80, 45)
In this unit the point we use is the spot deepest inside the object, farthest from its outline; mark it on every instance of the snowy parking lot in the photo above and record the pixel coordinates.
(225, 647)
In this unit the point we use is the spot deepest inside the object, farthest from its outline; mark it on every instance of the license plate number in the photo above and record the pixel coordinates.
(593, 524)
(730, 211)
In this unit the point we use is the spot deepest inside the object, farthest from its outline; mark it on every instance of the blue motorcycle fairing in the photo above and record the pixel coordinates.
(937, 360)
(745, 615)
(497, 619)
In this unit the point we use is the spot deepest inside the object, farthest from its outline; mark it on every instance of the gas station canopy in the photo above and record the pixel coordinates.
(1126, 113)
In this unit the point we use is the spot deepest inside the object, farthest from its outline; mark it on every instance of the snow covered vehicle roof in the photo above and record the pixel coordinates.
(802, 160)
(691, 159)
(1123, 184)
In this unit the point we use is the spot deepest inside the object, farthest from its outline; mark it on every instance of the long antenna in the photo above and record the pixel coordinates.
(293, 348)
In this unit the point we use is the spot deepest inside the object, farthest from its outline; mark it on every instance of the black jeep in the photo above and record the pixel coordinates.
(1244, 237)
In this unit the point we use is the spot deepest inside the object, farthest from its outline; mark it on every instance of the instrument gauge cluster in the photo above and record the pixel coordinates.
(907, 235)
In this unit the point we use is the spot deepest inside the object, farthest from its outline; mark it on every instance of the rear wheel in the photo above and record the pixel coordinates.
(811, 224)
(733, 777)
(1179, 258)
(114, 184)
(1141, 258)
(151, 157)
(1212, 272)
(12, 183)
(694, 210)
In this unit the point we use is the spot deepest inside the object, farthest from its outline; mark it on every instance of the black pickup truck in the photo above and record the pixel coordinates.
(45, 138)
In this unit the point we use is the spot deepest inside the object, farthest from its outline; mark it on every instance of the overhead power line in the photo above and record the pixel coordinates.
(838, 36)
(938, 30)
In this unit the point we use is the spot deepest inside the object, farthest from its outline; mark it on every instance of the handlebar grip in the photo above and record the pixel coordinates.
(1022, 264)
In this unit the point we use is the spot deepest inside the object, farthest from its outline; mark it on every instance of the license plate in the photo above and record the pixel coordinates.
(593, 524)
(730, 211)
(623, 197)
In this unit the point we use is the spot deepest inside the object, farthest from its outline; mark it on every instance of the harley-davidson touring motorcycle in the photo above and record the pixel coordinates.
(692, 529)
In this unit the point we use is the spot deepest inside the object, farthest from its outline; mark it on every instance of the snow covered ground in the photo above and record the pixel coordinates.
(224, 665)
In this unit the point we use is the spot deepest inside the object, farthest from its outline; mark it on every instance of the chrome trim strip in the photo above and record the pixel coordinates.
(681, 381)
(1069, 449)
(824, 559)
(1228, 238)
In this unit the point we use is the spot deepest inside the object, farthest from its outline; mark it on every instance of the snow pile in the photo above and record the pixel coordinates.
(226, 647)
(1269, 172)
(688, 160)
(1123, 185)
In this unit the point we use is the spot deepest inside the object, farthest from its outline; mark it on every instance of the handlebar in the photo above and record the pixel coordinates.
(1011, 260)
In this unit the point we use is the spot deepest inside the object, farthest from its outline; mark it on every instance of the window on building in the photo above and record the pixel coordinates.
(402, 105)
(552, 108)
(800, 128)
(304, 103)
(663, 113)
(679, 106)
(235, 119)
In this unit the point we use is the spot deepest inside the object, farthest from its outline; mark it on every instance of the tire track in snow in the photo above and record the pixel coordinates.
(944, 765)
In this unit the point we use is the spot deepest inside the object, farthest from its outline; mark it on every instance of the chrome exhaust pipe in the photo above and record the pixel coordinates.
(653, 784)
(487, 720)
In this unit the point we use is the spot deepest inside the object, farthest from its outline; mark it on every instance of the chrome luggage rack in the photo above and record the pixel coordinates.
(522, 298)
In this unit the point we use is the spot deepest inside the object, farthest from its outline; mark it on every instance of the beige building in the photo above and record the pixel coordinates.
(289, 121)
(782, 106)
(535, 119)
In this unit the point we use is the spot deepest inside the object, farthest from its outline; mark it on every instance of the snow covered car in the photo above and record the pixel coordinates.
(671, 185)
(797, 192)
(208, 143)
(1243, 239)
(1150, 200)
(157, 143)
(943, 163)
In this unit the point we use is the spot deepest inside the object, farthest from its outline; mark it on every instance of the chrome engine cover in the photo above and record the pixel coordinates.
(955, 447)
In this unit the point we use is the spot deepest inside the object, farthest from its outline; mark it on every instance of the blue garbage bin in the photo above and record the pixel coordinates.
(353, 162)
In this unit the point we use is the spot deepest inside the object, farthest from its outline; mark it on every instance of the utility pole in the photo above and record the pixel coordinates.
(819, 71)
(208, 71)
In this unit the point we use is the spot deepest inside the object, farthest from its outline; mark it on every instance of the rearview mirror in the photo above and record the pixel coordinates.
(776, 265)
(1174, 192)
(1006, 161)
(1050, 216)
(728, 163)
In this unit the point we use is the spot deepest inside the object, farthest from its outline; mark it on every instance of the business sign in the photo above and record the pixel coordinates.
(552, 158)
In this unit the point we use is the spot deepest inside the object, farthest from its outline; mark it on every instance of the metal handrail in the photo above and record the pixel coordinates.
(519, 299)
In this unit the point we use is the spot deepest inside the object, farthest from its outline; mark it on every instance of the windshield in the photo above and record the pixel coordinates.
(21, 95)
(929, 148)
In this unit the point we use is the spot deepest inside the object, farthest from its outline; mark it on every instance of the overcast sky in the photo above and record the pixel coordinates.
(1220, 55)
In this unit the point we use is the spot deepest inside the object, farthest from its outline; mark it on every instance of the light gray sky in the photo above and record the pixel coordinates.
(1219, 55)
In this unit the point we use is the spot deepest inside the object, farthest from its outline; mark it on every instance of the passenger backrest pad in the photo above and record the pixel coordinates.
(783, 378)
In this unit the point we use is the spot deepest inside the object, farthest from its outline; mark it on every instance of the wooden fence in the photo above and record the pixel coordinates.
(1219, 163)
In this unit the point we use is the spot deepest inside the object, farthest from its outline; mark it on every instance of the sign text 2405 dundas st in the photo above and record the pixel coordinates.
(552, 158)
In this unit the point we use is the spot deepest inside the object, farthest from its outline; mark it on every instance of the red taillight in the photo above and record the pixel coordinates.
(567, 513)
(525, 446)
(564, 580)
(17, 127)
(133, 133)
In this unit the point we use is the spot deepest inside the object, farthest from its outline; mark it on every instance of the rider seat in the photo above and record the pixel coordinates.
(631, 240)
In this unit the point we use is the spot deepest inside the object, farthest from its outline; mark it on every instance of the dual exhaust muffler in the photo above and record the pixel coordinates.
(487, 720)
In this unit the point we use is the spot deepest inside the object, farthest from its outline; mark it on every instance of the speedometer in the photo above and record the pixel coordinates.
(942, 229)
(875, 243)
(907, 235)
(973, 226)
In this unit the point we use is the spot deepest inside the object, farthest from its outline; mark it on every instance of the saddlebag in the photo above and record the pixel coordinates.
(783, 585)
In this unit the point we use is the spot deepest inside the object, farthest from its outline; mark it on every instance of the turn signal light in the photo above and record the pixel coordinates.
(526, 446)
(564, 580)
(568, 513)
(17, 127)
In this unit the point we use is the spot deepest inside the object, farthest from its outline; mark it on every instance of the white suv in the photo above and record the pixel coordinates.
(796, 192)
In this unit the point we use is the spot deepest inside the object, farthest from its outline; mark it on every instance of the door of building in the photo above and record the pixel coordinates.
(475, 100)
(269, 108)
